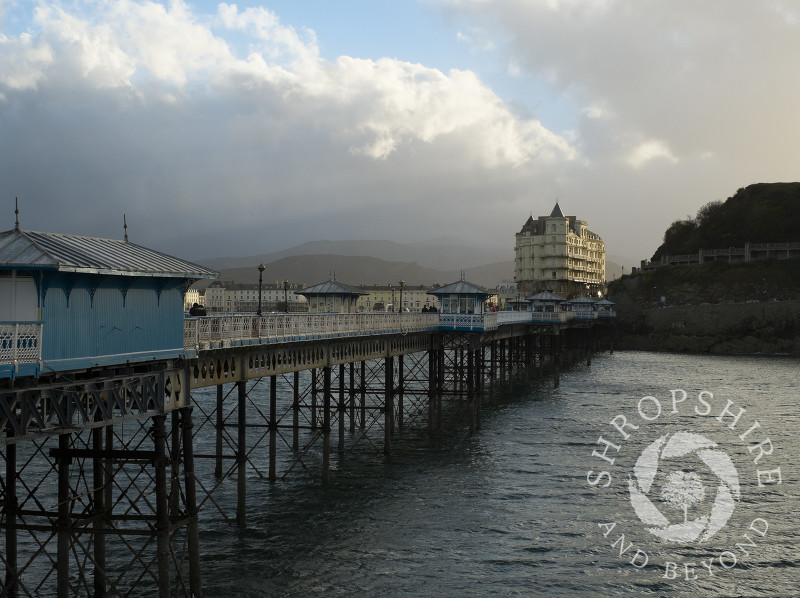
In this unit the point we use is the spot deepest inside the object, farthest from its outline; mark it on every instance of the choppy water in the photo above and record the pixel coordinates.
(508, 511)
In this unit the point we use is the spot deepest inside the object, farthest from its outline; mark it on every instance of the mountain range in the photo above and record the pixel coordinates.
(373, 262)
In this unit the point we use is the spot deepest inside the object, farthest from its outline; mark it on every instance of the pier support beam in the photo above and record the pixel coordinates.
(11, 507)
(326, 423)
(340, 408)
(555, 356)
(431, 391)
(352, 397)
(190, 493)
(241, 455)
(314, 398)
(273, 427)
(471, 408)
(400, 385)
(99, 481)
(363, 396)
(296, 412)
(388, 407)
(219, 428)
(162, 505)
(64, 520)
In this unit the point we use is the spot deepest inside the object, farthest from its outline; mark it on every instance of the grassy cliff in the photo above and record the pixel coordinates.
(760, 213)
(719, 307)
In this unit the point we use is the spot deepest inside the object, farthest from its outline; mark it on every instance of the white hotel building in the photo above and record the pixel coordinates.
(559, 254)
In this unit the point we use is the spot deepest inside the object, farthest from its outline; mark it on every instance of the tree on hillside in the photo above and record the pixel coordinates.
(760, 213)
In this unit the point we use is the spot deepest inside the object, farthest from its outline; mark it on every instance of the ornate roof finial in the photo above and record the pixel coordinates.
(16, 212)
(125, 226)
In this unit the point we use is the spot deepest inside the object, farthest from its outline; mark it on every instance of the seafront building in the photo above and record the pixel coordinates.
(191, 297)
(230, 297)
(507, 293)
(559, 254)
(388, 297)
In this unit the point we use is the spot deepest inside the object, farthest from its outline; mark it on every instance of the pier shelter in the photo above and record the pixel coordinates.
(518, 305)
(332, 297)
(461, 297)
(605, 308)
(69, 302)
(582, 307)
(545, 301)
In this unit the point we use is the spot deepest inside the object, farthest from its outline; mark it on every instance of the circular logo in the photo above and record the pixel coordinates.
(672, 468)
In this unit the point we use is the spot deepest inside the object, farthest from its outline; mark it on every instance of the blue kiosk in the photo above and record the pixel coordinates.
(73, 303)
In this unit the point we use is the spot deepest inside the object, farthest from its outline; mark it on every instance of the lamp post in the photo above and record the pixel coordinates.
(402, 284)
(286, 295)
(260, 274)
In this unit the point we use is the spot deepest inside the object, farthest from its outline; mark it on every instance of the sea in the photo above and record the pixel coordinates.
(642, 474)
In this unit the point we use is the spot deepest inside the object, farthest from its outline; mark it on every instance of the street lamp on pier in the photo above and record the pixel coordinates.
(286, 295)
(402, 284)
(260, 274)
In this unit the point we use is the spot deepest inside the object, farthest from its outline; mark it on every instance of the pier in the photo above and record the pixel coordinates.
(111, 457)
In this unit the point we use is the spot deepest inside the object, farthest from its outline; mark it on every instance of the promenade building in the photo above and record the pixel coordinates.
(507, 292)
(380, 297)
(559, 254)
(191, 297)
(230, 297)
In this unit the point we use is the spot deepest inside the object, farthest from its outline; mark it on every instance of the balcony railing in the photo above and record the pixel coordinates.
(20, 342)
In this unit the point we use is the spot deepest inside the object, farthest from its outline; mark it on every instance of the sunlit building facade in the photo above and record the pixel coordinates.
(559, 253)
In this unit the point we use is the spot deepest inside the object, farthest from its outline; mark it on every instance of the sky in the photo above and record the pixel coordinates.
(234, 129)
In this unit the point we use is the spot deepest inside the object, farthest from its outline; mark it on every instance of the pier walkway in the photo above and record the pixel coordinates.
(108, 470)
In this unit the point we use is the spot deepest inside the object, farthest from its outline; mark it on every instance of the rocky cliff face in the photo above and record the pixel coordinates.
(736, 328)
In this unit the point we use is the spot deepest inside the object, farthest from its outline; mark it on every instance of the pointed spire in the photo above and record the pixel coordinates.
(16, 212)
(556, 213)
(125, 226)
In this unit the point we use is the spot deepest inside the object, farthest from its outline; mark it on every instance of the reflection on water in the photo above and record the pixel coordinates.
(509, 511)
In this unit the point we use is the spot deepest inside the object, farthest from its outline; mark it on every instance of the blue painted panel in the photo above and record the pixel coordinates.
(104, 319)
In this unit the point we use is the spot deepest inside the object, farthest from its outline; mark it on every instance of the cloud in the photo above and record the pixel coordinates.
(703, 91)
(646, 151)
(227, 133)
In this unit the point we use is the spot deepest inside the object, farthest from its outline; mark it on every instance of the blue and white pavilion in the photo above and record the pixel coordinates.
(332, 297)
(545, 301)
(73, 303)
(461, 297)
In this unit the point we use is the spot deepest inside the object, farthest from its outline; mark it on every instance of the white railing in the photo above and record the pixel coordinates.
(20, 342)
(209, 332)
(468, 321)
(584, 314)
(549, 316)
(230, 330)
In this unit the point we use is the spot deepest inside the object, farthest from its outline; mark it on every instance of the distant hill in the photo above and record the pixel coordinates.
(760, 213)
(439, 254)
(377, 262)
(357, 270)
